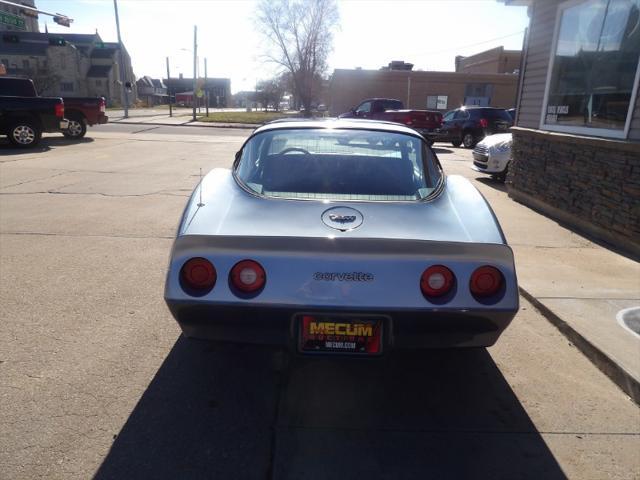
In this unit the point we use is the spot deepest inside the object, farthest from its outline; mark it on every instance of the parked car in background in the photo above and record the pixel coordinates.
(468, 125)
(426, 122)
(493, 156)
(24, 116)
(82, 112)
(319, 241)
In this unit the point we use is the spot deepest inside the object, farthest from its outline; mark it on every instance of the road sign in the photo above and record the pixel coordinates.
(12, 20)
(199, 93)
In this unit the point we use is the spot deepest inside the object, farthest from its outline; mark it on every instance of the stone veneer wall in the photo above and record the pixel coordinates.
(589, 183)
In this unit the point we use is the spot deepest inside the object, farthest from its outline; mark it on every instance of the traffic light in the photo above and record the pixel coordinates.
(62, 20)
(57, 41)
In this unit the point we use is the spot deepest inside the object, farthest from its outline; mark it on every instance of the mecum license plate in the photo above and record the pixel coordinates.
(340, 334)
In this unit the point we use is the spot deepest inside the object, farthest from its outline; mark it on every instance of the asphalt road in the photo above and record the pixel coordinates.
(96, 381)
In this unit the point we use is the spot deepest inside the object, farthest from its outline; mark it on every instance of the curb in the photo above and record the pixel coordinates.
(246, 126)
(623, 379)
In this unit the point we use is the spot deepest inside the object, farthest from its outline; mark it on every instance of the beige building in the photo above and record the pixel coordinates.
(421, 90)
(496, 60)
(70, 65)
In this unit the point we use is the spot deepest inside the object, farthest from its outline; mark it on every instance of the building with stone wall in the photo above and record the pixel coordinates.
(69, 65)
(27, 23)
(576, 150)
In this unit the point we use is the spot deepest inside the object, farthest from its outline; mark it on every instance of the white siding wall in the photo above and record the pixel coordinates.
(543, 20)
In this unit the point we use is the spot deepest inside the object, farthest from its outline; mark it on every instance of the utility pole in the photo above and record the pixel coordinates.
(206, 89)
(195, 68)
(125, 94)
(168, 92)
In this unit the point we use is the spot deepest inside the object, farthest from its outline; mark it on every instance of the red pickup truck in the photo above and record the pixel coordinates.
(79, 111)
(425, 122)
(83, 111)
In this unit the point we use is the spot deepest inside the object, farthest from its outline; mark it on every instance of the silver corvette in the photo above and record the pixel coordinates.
(340, 236)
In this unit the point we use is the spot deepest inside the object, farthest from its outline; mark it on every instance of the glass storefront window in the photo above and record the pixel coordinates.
(595, 66)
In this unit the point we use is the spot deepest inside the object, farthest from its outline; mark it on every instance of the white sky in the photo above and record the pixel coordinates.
(428, 33)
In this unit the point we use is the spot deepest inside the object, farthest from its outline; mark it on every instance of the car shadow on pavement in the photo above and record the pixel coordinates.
(493, 183)
(441, 150)
(239, 412)
(45, 145)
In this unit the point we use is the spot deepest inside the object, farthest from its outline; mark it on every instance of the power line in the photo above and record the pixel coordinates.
(466, 46)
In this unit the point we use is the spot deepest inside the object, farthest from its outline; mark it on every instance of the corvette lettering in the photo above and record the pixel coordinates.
(342, 218)
(344, 277)
(348, 329)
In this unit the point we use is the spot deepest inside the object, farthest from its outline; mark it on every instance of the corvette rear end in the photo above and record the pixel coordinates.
(326, 269)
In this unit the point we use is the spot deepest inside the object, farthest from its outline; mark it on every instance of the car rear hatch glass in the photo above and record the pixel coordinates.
(334, 164)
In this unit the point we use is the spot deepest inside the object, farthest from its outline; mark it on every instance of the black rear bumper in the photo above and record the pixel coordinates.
(276, 325)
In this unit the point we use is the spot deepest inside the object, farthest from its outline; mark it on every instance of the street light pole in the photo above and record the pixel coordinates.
(206, 89)
(195, 67)
(169, 92)
(121, 65)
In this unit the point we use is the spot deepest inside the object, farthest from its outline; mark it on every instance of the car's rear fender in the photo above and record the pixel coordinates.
(360, 273)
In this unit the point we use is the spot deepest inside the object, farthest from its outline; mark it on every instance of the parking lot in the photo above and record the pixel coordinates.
(95, 379)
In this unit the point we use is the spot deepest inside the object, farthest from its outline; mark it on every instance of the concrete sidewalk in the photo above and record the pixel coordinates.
(579, 285)
(179, 120)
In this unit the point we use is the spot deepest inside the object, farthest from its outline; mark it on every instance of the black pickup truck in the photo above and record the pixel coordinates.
(24, 117)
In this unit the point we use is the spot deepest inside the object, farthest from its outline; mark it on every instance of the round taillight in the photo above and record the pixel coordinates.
(198, 274)
(248, 276)
(486, 281)
(437, 281)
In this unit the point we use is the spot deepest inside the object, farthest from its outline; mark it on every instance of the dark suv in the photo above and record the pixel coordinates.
(469, 125)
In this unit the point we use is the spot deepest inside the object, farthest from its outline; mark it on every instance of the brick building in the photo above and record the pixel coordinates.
(496, 60)
(421, 90)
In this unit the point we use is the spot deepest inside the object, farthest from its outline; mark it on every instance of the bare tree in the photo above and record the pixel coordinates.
(300, 36)
(45, 79)
(270, 92)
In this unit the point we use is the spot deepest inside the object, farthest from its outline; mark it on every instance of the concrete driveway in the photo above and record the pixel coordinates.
(96, 381)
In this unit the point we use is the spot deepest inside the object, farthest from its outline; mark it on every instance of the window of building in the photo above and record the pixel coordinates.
(437, 102)
(98, 82)
(594, 71)
(66, 86)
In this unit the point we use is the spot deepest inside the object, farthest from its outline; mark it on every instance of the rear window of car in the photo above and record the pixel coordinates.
(339, 164)
(16, 87)
(391, 105)
(495, 114)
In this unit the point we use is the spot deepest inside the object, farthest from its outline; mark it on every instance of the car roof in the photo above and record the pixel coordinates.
(342, 123)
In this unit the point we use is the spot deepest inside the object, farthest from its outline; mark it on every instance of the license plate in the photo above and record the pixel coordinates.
(340, 334)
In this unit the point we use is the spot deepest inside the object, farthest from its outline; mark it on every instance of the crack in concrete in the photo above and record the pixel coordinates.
(121, 195)
(456, 432)
(48, 234)
(35, 180)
